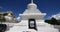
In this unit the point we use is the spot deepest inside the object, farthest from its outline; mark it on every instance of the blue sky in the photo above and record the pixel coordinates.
(50, 7)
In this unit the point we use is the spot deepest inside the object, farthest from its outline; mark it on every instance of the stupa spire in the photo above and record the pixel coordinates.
(32, 1)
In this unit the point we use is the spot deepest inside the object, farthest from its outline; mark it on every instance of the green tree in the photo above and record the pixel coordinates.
(53, 21)
(2, 19)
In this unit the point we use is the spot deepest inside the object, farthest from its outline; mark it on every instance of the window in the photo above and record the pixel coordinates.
(32, 24)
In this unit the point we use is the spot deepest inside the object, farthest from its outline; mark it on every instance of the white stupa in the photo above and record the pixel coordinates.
(32, 21)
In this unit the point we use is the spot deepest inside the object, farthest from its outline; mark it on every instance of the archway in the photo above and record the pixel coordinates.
(32, 24)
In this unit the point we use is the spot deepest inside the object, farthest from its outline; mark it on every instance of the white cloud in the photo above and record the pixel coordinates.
(57, 16)
(1, 7)
(18, 18)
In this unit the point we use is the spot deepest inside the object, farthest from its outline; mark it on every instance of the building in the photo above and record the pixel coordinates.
(7, 16)
(32, 21)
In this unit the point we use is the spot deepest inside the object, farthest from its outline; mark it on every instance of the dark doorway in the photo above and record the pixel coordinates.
(32, 24)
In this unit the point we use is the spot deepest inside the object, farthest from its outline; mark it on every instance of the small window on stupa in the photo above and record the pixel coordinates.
(32, 24)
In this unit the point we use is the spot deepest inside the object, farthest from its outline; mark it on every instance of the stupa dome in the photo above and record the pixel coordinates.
(32, 5)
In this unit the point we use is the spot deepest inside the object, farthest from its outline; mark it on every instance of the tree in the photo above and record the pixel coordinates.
(2, 19)
(53, 21)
